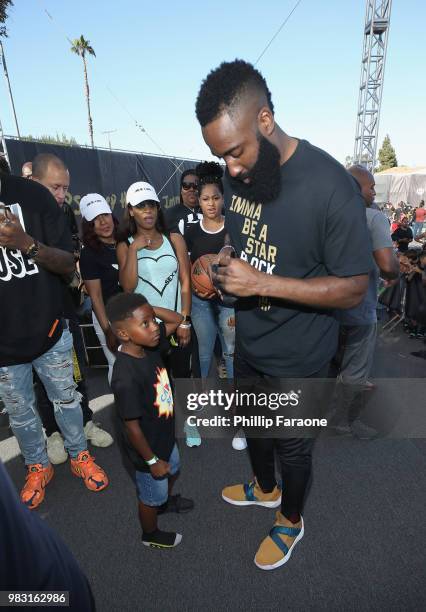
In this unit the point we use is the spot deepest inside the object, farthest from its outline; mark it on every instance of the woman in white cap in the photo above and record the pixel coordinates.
(155, 263)
(99, 266)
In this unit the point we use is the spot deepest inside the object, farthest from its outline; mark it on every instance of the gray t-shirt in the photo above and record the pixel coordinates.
(365, 313)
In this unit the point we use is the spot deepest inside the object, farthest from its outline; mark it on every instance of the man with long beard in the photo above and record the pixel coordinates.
(288, 282)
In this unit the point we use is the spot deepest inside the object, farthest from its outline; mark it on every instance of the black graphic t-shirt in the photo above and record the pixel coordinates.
(316, 227)
(101, 264)
(202, 242)
(31, 298)
(180, 218)
(142, 391)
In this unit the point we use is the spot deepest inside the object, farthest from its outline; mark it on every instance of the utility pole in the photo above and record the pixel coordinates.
(6, 74)
(3, 143)
(109, 139)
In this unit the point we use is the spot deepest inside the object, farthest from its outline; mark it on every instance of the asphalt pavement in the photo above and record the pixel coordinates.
(365, 529)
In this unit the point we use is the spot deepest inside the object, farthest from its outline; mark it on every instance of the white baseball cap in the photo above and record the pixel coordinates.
(92, 205)
(140, 192)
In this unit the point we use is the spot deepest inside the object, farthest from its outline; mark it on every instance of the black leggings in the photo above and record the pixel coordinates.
(294, 454)
(184, 362)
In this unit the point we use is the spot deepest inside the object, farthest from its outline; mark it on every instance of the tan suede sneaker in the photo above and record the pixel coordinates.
(277, 547)
(251, 495)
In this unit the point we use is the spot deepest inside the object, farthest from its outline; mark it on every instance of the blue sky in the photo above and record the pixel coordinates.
(153, 55)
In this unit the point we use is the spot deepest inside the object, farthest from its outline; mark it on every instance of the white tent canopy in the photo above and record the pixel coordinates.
(401, 184)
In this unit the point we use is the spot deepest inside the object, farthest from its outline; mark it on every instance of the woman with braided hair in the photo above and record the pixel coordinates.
(210, 316)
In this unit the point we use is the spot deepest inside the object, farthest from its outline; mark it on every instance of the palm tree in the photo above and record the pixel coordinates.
(81, 46)
(4, 7)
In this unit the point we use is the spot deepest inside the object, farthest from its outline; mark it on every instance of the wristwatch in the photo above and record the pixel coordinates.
(32, 250)
(186, 319)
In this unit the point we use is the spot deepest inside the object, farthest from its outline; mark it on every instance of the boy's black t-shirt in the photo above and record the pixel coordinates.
(202, 242)
(101, 264)
(31, 298)
(142, 391)
(316, 227)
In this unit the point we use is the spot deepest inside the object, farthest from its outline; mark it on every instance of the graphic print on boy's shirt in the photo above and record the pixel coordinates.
(163, 394)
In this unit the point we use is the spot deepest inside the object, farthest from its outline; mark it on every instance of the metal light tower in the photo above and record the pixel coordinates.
(376, 31)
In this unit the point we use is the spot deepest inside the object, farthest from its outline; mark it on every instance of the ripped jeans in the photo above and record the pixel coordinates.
(55, 369)
(209, 318)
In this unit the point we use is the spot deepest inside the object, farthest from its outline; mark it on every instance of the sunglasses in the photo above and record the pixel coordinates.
(188, 186)
(146, 204)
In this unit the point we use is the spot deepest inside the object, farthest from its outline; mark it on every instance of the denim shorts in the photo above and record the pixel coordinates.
(155, 491)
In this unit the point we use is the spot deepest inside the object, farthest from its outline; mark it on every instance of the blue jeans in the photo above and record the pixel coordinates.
(55, 369)
(209, 318)
(155, 491)
(417, 228)
(44, 406)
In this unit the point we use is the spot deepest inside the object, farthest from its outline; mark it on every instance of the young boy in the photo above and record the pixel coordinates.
(144, 400)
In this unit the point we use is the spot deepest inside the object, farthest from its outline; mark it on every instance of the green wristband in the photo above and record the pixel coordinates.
(152, 461)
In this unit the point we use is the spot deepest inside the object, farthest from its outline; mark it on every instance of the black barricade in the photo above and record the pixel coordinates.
(106, 172)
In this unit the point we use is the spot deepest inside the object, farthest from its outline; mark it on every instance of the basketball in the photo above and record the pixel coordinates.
(200, 277)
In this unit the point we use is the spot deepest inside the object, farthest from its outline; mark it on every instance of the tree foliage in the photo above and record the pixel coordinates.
(55, 140)
(387, 155)
(81, 46)
(4, 6)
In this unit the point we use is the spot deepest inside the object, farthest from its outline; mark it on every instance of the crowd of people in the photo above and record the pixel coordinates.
(297, 297)
(412, 218)
(108, 258)
(405, 299)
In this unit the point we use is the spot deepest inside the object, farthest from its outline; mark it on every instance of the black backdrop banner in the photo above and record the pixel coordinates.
(109, 173)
